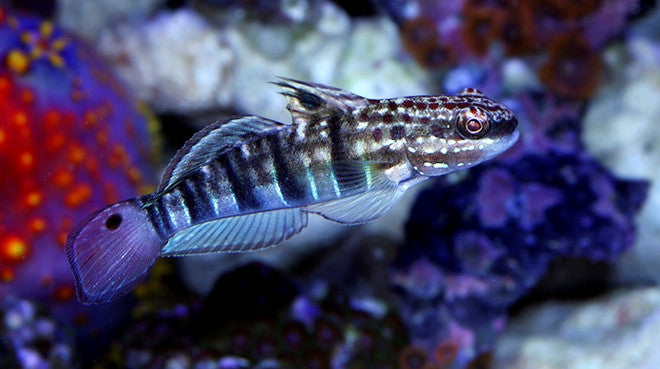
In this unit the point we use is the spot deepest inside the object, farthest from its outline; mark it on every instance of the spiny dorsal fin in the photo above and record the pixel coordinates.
(212, 141)
(471, 91)
(309, 100)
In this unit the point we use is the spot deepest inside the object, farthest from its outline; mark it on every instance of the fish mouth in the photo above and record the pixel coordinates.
(502, 144)
(512, 139)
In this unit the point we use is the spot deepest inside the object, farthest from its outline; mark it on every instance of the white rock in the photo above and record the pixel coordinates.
(621, 130)
(179, 62)
(87, 18)
(176, 62)
(619, 331)
(375, 66)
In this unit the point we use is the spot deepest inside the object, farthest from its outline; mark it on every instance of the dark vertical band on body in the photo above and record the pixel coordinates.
(339, 154)
(159, 219)
(195, 198)
(288, 181)
(241, 186)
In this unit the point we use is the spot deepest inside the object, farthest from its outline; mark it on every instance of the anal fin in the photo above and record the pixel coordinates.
(249, 232)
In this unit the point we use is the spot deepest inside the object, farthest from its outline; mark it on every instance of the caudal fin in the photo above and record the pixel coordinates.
(111, 251)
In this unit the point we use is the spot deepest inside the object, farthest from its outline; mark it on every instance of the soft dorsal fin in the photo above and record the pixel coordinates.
(307, 100)
(214, 140)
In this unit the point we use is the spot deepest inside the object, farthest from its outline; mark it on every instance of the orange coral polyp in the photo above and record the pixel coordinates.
(7, 275)
(38, 225)
(34, 198)
(20, 118)
(63, 178)
(13, 249)
(26, 160)
(77, 154)
(78, 195)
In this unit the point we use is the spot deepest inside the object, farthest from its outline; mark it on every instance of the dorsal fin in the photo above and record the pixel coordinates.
(471, 91)
(307, 100)
(212, 141)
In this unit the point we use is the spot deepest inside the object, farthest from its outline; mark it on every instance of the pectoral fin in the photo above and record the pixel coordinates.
(366, 193)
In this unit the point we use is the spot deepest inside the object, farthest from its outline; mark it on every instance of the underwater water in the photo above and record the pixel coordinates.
(544, 254)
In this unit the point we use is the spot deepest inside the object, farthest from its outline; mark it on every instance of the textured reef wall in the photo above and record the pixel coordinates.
(430, 286)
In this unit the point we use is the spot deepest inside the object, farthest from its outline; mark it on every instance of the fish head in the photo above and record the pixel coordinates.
(464, 131)
(111, 251)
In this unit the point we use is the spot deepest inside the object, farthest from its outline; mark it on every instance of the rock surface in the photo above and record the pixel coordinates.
(620, 129)
(615, 331)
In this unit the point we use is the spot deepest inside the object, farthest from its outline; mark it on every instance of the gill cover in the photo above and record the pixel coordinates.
(111, 251)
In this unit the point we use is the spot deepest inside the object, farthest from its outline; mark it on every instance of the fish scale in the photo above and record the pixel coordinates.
(249, 183)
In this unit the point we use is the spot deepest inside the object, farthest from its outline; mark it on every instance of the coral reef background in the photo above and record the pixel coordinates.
(552, 247)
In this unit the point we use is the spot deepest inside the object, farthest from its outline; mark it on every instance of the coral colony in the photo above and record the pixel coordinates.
(71, 140)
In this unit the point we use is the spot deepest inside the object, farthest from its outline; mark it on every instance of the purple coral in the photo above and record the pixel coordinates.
(487, 239)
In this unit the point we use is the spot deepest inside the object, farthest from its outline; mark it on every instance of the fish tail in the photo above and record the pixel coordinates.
(111, 251)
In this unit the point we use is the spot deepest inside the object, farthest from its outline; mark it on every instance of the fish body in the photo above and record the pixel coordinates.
(249, 183)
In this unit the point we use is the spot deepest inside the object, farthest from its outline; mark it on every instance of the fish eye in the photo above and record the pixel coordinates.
(113, 222)
(472, 125)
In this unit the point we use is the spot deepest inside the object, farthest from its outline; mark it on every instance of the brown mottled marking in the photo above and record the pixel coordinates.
(436, 130)
(388, 118)
(397, 132)
(377, 134)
